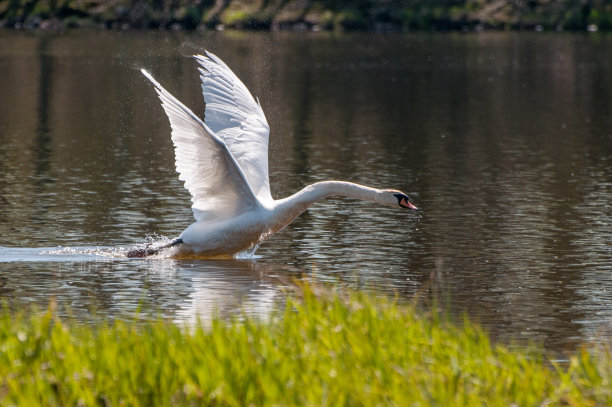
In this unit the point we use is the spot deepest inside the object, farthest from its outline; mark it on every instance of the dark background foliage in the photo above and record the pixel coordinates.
(310, 14)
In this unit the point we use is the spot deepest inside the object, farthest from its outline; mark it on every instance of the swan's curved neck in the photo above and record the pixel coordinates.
(289, 208)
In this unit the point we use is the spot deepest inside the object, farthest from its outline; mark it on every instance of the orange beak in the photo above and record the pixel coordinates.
(407, 204)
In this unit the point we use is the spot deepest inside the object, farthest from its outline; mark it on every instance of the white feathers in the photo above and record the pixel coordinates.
(218, 187)
(234, 116)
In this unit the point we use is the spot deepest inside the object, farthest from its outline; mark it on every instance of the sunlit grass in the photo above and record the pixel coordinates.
(322, 350)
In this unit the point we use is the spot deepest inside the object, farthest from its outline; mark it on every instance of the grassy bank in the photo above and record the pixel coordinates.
(323, 351)
(305, 14)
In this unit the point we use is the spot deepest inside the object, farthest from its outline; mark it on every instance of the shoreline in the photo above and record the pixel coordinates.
(57, 26)
(309, 15)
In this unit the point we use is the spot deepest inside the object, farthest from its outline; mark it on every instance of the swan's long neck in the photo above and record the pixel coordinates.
(289, 208)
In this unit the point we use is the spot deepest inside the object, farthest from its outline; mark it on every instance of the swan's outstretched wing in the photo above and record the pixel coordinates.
(218, 187)
(234, 116)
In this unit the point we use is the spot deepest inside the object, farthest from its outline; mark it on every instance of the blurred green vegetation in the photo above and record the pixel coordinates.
(322, 350)
(310, 14)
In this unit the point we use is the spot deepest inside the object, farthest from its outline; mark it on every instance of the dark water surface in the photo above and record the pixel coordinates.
(504, 140)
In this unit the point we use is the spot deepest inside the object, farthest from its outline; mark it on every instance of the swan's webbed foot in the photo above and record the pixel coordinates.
(142, 252)
(148, 251)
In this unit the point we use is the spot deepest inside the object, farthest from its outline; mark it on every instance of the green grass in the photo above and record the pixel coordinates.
(322, 350)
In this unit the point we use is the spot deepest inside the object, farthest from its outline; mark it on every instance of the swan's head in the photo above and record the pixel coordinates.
(403, 200)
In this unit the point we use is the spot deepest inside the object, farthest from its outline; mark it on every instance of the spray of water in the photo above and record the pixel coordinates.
(248, 254)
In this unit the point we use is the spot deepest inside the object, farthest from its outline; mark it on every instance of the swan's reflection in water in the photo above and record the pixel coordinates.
(227, 288)
(196, 291)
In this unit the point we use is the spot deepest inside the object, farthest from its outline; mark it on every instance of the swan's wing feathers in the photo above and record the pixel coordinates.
(216, 183)
(233, 114)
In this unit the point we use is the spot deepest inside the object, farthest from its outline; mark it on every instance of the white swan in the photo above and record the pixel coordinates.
(224, 164)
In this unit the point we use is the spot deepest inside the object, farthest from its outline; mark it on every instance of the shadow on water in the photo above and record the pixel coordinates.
(42, 148)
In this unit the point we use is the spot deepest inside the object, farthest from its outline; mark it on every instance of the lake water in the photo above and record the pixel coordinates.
(503, 139)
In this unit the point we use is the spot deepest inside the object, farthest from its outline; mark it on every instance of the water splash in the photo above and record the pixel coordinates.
(248, 254)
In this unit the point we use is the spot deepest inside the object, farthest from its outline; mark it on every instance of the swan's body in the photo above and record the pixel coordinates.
(224, 164)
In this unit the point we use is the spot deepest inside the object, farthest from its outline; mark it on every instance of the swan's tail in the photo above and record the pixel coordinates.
(149, 251)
